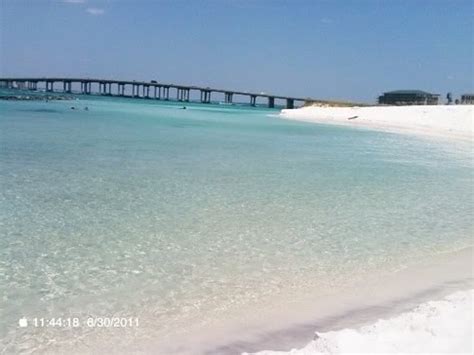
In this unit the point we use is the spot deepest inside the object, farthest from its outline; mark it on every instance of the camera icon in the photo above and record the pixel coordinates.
(23, 322)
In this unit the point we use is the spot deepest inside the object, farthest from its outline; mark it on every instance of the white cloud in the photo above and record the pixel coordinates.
(95, 11)
(75, 1)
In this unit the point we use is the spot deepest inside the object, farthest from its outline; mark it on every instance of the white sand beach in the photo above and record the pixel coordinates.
(453, 121)
(443, 326)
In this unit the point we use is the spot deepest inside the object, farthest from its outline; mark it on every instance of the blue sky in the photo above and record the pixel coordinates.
(323, 49)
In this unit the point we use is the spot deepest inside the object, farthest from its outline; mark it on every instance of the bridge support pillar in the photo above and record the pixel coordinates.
(228, 97)
(146, 91)
(67, 86)
(253, 100)
(86, 87)
(182, 94)
(135, 90)
(50, 86)
(205, 96)
(271, 102)
(290, 103)
(103, 88)
(166, 92)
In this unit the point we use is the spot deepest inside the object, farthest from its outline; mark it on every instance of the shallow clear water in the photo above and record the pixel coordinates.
(185, 217)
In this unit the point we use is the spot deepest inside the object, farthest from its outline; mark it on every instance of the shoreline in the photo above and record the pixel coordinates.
(387, 296)
(455, 122)
(384, 299)
(436, 326)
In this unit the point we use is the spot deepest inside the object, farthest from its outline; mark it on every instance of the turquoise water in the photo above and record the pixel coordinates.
(185, 218)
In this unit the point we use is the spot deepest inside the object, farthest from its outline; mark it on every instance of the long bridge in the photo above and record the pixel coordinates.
(143, 89)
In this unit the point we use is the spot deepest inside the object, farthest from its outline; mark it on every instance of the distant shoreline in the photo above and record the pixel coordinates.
(35, 98)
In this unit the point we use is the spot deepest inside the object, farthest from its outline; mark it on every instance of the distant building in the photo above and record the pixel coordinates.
(408, 97)
(467, 99)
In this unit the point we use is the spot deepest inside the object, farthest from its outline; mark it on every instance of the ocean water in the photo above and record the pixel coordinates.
(188, 219)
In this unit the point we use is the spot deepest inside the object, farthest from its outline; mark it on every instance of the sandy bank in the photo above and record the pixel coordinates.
(454, 121)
